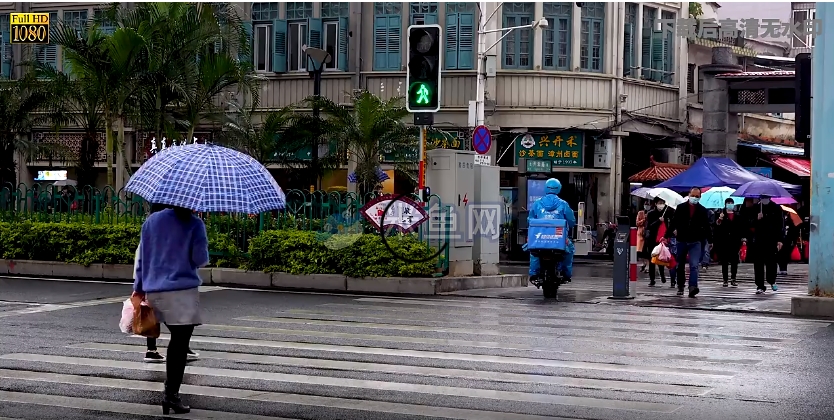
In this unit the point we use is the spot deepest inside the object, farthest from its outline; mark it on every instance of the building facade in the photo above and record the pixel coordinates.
(583, 96)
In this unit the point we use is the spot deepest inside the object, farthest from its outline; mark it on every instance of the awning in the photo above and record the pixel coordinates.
(801, 167)
(775, 148)
(658, 172)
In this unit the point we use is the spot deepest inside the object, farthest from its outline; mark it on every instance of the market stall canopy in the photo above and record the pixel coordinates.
(717, 172)
(798, 166)
(658, 171)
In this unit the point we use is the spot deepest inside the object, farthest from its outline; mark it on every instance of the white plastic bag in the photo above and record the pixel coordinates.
(657, 250)
(664, 255)
(126, 323)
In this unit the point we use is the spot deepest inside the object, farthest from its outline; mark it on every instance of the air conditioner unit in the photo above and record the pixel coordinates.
(687, 159)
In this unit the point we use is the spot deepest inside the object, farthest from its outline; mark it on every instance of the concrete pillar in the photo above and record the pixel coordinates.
(821, 265)
(719, 139)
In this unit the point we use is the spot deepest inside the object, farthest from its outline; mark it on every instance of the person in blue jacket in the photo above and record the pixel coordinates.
(552, 207)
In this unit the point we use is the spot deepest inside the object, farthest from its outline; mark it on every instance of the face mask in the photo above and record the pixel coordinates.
(647, 208)
(694, 200)
(730, 207)
(765, 201)
(661, 206)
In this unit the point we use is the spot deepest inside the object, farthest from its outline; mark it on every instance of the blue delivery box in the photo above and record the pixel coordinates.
(548, 234)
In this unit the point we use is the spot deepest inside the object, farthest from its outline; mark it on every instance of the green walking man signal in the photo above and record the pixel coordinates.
(423, 95)
(424, 68)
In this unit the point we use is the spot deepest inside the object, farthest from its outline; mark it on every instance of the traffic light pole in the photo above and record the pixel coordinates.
(480, 86)
(421, 183)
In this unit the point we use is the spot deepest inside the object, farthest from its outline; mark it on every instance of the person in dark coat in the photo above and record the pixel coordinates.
(691, 228)
(765, 234)
(791, 241)
(654, 220)
(727, 241)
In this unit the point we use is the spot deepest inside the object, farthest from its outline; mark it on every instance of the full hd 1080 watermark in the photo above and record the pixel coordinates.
(747, 28)
(29, 28)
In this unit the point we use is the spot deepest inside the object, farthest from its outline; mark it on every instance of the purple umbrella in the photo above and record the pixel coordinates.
(756, 189)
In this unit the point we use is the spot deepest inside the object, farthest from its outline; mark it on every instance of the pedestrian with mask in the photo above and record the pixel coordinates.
(657, 223)
(641, 236)
(727, 241)
(765, 236)
(690, 226)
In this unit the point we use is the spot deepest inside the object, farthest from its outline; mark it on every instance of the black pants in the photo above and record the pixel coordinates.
(177, 357)
(764, 264)
(652, 268)
(785, 256)
(732, 265)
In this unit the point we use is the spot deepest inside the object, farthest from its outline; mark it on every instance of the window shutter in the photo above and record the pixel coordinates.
(381, 43)
(690, 78)
(5, 52)
(343, 43)
(657, 55)
(466, 41)
(646, 53)
(394, 42)
(668, 55)
(430, 18)
(628, 49)
(451, 58)
(247, 58)
(314, 33)
(279, 46)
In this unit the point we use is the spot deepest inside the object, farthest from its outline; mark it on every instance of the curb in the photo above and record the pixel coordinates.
(278, 281)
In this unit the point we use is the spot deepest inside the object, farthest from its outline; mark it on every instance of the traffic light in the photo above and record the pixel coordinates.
(423, 75)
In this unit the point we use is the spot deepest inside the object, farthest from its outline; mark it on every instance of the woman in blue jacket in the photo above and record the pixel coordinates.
(173, 246)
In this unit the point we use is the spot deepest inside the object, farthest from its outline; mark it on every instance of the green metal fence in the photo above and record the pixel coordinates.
(317, 211)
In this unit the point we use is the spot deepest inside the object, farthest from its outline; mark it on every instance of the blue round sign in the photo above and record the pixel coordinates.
(481, 140)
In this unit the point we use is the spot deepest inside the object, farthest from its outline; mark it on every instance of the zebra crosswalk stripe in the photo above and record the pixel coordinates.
(365, 360)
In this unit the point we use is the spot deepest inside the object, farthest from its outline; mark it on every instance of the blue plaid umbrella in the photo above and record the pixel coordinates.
(380, 176)
(207, 178)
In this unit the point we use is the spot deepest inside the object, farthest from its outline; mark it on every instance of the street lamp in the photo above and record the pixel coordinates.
(317, 58)
(482, 50)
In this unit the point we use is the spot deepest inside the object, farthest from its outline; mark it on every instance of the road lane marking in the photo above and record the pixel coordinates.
(573, 382)
(476, 393)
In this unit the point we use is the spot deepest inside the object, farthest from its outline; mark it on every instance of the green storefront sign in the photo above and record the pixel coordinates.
(562, 149)
(434, 140)
(535, 165)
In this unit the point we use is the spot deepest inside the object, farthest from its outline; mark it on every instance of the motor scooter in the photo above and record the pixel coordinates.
(550, 277)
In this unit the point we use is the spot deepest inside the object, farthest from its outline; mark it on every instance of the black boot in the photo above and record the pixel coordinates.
(172, 402)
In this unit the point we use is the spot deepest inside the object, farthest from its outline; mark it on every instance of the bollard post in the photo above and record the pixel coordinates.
(632, 259)
(624, 241)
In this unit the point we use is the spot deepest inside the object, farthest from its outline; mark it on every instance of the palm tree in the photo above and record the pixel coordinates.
(107, 65)
(216, 73)
(20, 104)
(368, 130)
(187, 61)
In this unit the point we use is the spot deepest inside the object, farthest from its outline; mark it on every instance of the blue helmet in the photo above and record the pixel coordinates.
(553, 186)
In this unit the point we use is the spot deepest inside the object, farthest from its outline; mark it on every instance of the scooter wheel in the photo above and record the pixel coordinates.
(550, 290)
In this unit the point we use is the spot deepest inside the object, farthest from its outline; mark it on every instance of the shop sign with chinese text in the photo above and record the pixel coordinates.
(562, 149)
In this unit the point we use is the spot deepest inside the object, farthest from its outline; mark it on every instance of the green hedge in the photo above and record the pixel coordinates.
(291, 251)
(355, 255)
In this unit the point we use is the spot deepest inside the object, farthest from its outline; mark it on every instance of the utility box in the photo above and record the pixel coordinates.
(451, 176)
(485, 219)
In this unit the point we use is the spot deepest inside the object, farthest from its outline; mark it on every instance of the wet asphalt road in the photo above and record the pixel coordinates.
(319, 356)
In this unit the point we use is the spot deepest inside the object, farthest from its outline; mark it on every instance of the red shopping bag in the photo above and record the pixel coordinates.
(742, 255)
(795, 255)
